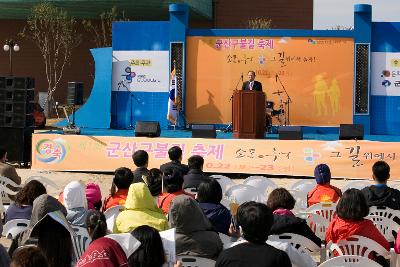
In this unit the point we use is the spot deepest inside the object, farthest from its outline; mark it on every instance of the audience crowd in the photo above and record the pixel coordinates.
(151, 201)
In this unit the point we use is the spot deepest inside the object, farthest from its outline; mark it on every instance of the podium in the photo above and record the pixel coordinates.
(248, 112)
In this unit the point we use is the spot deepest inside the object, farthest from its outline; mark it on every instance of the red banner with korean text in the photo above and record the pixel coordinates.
(348, 159)
(317, 73)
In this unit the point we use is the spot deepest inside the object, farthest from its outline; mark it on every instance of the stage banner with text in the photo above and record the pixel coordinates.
(347, 159)
(317, 74)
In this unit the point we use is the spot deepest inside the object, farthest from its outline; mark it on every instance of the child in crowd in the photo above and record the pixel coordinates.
(76, 204)
(96, 224)
(123, 178)
(323, 191)
(154, 182)
(93, 195)
(29, 256)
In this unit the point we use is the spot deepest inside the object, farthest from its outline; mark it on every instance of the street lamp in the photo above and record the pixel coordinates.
(11, 46)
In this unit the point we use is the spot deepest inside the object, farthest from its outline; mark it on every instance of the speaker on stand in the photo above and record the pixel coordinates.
(74, 98)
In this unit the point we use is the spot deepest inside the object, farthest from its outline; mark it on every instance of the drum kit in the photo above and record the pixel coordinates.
(279, 113)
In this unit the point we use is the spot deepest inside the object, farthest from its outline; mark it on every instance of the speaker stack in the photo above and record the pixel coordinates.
(16, 120)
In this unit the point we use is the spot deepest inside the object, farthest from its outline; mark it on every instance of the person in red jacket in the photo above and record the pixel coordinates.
(323, 191)
(351, 211)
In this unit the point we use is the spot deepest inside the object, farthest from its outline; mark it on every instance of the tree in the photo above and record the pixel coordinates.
(102, 31)
(55, 34)
(259, 23)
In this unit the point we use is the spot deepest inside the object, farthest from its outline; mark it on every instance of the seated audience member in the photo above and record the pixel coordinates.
(4, 257)
(42, 205)
(175, 155)
(96, 224)
(123, 178)
(22, 207)
(93, 196)
(381, 194)
(8, 171)
(323, 191)
(151, 251)
(173, 182)
(141, 160)
(351, 211)
(76, 204)
(195, 175)
(209, 196)
(255, 221)
(29, 257)
(195, 235)
(140, 209)
(281, 202)
(154, 182)
(109, 251)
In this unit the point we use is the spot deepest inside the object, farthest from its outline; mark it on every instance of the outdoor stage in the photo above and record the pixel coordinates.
(105, 150)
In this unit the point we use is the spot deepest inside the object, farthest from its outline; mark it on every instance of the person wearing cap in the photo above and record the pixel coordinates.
(323, 191)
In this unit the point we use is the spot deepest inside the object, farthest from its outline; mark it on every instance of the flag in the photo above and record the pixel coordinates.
(173, 99)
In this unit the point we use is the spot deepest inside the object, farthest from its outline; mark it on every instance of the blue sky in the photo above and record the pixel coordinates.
(328, 13)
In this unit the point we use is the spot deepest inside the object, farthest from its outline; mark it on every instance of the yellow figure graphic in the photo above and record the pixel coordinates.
(334, 96)
(320, 91)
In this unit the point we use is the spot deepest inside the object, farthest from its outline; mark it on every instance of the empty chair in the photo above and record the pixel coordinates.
(5, 191)
(318, 224)
(14, 227)
(349, 261)
(44, 180)
(385, 212)
(241, 193)
(262, 183)
(356, 184)
(387, 227)
(111, 215)
(304, 185)
(193, 261)
(80, 240)
(224, 181)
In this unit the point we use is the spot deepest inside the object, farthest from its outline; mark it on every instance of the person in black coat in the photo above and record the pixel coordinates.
(209, 196)
(175, 155)
(195, 175)
(252, 84)
(141, 160)
(380, 194)
(281, 202)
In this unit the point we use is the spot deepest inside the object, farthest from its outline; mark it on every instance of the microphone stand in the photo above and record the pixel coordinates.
(229, 128)
(288, 101)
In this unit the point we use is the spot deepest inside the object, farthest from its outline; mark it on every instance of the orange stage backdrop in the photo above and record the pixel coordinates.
(316, 72)
(298, 157)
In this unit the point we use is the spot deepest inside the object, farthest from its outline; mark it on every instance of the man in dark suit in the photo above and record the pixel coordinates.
(252, 84)
(175, 155)
(195, 175)
(141, 160)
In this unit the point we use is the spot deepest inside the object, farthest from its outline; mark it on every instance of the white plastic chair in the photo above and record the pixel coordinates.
(224, 181)
(356, 184)
(385, 212)
(80, 240)
(355, 245)
(14, 227)
(317, 223)
(387, 227)
(324, 209)
(262, 183)
(191, 190)
(5, 191)
(241, 193)
(193, 261)
(304, 185)
(44, 180)
(226, 240)
(349, 261)
(299, 242)
(111, 215)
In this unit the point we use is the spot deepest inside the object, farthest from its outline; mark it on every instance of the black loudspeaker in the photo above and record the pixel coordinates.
(17, 142)
(147, 128)
(351, 131)
(75, 93)
(203, 131)
(16, 101)
(290, 133)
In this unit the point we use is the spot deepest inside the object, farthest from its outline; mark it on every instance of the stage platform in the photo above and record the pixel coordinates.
(107, 149)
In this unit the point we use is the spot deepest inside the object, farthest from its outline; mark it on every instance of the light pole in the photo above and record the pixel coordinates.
(11, 46)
